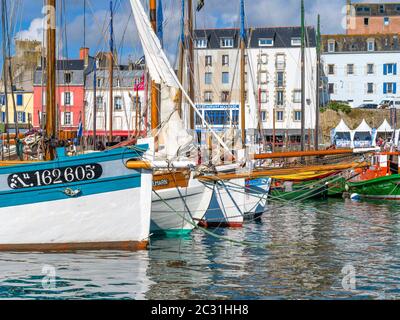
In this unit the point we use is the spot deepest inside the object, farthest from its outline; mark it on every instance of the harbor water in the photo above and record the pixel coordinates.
(316, 250)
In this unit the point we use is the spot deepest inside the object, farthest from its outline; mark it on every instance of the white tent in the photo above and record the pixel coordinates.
(385, 127)
(341, 135)
(362, 136)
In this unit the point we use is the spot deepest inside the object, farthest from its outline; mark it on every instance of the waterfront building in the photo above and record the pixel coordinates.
(360, 69)
(24, 110)
(273, 80)
(372, 18)
(70, 92)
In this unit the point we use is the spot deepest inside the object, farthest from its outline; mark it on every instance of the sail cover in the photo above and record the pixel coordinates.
(159, 67)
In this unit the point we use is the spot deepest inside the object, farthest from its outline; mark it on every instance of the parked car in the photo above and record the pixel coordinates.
(368, 106)
(389, 103)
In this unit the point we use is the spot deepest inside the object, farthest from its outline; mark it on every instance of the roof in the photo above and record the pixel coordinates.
(385, 127)
(363, 127)
(282, 36)
(68, 65)
(376, 9)
(342, 127)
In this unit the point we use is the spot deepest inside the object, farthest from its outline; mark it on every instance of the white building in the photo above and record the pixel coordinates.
(273, 80)
(360, 69)
(125, 84)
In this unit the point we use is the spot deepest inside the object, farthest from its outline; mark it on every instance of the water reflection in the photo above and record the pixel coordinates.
(301, 254)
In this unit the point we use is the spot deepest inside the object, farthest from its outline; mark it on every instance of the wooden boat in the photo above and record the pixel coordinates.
(292, 191)
(90, 201)
(179, 202)
(386, 187)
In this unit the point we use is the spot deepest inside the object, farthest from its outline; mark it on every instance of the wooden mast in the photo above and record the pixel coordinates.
(191, 62)
(154, 86)
(242, 75)
(95, 106)
(111, 74)
(181, 58)
(303, 80)
(51, 131)
(317, 98)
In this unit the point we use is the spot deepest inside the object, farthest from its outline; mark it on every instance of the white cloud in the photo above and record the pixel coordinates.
(34, 32)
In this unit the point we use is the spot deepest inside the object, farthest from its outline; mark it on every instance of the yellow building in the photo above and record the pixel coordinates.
(24, 107)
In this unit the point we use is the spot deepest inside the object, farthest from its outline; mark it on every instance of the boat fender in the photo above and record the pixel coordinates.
(355, 196)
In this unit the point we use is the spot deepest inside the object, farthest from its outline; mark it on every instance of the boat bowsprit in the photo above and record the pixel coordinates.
(89, 201)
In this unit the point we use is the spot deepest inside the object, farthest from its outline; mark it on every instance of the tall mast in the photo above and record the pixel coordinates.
(111, 72)
(317, 98)
(154, 86)
(95, 105)
(181, 57)
(51, 131)
(242, 74)
(191, 62)
(303, 81)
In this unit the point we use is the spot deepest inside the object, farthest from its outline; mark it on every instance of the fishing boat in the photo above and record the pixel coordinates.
(89, 201)
(290, 191)
(383, 188)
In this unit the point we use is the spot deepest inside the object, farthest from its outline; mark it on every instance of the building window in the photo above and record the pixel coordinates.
(208, 96)
(279, 79)
(386, 21)
(263, 116)
(263, 59)
(225, 60)
(224, 96)
(118, 82)
(208, 61)
(266, 42)
(227, 43)
(371, 45)
(201, 43)
(279, 98)
(67, 77)
(67, 118)
(217, 117)
(297, 96)
(390, 68)
(296, 42)
(331, 88)
(117, 103)
(21, 116)
(382, 8)
(67, 98)
(2, 99)
(370, 68)
(279, 116)
(366, 21)
(280, 62)
(389, 87)
(263, 77)
(208, 78)
(99, 102)
(225, 77)
(331, 69)
(19, 99)
(350, 69)
(370, 87)
(297, 116)
(235, 117)
(263, 96)
(99, 82)
(331, 46)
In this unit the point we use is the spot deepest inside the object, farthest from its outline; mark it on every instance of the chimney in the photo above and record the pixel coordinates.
(84, 55)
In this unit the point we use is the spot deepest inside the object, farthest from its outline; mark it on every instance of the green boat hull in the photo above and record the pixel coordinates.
(387, 187)
(336, 187)
(300, 191)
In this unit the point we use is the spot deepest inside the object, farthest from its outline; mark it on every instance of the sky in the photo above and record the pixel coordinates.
(215, 14)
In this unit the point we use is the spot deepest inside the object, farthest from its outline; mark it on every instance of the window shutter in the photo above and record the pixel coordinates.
(395, 68)
(385, 88)
(72, 98)
(62, 98)
(24, 117)
(62, 119)
(385, 69)
(72, 118)
(394, 87)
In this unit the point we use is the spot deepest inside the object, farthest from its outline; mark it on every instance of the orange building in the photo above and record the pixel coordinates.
(373, 18)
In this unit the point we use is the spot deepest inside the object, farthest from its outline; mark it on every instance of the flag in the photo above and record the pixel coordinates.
(200, 4)
(160, 22)
(80, 128)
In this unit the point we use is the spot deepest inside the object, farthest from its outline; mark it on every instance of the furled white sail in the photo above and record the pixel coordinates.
(156, 60)
(159, 67)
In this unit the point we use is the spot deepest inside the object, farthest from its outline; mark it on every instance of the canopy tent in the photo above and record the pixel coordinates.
(363, 136)
(341, 135)
(385, 127)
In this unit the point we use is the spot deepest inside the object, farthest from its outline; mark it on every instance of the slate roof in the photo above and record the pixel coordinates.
(282, 36)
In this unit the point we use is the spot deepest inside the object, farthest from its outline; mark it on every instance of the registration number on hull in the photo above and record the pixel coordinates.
(55, 176)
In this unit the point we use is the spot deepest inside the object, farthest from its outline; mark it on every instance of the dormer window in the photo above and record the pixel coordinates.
(296, 41)
(227, 43)
(266, 42)
(386, 21)
(371, 45)
(382, 8)
(67, 77)
(331, 46)
(201, 43)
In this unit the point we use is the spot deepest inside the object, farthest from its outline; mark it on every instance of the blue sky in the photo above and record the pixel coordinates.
(216, 13)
